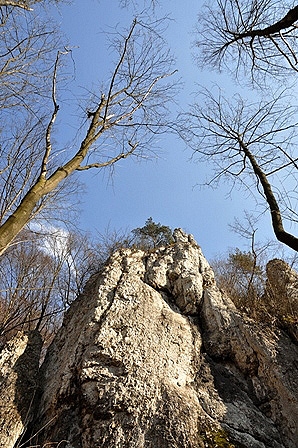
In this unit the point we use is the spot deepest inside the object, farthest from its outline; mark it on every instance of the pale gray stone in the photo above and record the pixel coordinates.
(19, 360)
(153, 355)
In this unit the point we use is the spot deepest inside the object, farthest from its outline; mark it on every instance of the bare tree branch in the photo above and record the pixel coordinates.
(44, 163)
(16, 4)
(131, 111)
(247, 143)
(277, 221)
(22, 4)
(257, 34)
(111, 161)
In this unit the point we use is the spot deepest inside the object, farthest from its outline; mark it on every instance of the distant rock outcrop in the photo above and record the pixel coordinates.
(282, 282)
(153, 355)
(281, 293)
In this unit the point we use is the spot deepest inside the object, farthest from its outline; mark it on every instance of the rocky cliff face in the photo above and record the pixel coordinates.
(19, 361)
(153, 355)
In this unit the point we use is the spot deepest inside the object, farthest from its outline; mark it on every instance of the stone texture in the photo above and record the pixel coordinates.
(281, 295)
(152, 355)
(119, 373)
(19, 360)
(255, 373)
(282, 279)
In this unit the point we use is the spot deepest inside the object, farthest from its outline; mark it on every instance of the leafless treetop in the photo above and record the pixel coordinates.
(258, 36)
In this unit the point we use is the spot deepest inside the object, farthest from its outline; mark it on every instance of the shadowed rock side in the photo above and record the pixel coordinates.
(19, 360)
(153, 355)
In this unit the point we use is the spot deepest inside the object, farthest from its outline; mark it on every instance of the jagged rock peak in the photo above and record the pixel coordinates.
(153, 355)
(281, 294)
(281, 278)
(181, 237)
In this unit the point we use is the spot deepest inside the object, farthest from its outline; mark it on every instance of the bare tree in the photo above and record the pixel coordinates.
(138, 3)
(28, 46)
(243, 280)
(22, 4)
(252, 145)
(41, 274)
(121, 121)
(261, 281)
(25, 4)
(256, 35)
(28, 287)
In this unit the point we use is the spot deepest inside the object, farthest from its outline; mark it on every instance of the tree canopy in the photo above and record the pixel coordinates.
(152, 235)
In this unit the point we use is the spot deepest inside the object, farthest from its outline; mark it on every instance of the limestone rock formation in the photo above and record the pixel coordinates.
(153, 355)
(281, 293)
(19, 360)
(282, 282)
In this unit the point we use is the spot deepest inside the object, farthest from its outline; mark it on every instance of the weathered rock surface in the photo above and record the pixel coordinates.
(153, 355)
(281, 292)
(19, 360)
(282, 279)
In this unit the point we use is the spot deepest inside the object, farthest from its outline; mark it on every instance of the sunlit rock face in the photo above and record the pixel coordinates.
(280, 297)
(153, 355)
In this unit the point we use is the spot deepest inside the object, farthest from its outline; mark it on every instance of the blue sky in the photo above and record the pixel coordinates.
(166, 188)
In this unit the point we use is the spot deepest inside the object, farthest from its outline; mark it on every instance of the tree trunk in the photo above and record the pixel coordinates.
(276, 218)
